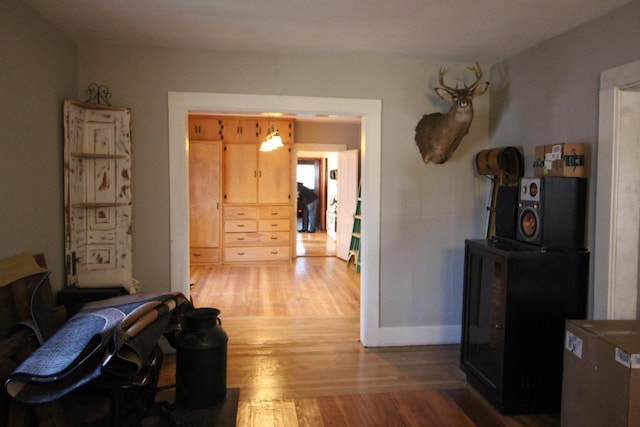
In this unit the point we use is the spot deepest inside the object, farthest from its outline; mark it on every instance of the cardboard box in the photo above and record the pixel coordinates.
(601, 373)
(564, 159)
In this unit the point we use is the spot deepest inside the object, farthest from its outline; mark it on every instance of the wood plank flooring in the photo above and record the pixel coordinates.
(295, 354)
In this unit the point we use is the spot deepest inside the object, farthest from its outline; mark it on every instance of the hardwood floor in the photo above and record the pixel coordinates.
(315, 244)
(295, 354)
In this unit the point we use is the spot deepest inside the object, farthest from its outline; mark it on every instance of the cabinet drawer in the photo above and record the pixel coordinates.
(274, 212)
(204, 255)
(239, 225)
(251, 254)
(253, 239)
(274, 225)
(239, 212)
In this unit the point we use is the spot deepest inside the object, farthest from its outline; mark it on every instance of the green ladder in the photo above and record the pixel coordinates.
(354, 247)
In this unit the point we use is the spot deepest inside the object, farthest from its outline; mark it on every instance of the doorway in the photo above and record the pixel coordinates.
(617, 256)
(311, 172)
(180, 104)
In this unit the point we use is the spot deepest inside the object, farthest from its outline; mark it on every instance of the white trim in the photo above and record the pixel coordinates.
(418, 335)
(610, 292)
(370, 111)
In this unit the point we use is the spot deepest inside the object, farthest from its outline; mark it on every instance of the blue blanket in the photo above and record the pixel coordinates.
(115, 335)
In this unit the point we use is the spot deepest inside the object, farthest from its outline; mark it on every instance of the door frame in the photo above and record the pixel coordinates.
(181, 104)
(615, 276)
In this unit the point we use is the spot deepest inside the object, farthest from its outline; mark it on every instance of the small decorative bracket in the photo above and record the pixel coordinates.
(98, 94)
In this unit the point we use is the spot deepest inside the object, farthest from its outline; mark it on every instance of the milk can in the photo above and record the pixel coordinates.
(201, 359)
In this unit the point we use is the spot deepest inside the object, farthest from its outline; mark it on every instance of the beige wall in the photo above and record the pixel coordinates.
(549, 93)
(545, 93)
(37, 72)
(329, 133)
(428, 210)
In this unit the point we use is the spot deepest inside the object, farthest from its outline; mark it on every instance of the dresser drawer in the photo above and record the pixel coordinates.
(253, 239)
(274, 225)
(274, 212)
(240, 225)
(240, 212)
(252, 254)
(204, 255)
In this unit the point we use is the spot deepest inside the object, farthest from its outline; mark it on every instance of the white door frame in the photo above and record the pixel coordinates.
(180, 104)
(615, 277)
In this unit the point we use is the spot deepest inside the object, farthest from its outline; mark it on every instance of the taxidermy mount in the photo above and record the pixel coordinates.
(438, 135)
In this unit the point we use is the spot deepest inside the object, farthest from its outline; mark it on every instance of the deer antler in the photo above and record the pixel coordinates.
(478, 72)
(441, 74)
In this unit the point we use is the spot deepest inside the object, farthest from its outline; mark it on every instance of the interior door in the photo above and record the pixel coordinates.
(348, 176)
(97, 178)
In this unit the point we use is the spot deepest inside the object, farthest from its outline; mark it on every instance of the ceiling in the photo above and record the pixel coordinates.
(486, 31)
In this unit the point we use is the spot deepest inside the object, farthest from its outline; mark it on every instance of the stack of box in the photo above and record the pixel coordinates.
(601, 374)
(565, 159)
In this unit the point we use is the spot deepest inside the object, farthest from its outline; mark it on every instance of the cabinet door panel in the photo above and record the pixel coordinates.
(240, 162)
(274, 177)
(204, 193)
(485, 315)
(204, 128)
(244, 130)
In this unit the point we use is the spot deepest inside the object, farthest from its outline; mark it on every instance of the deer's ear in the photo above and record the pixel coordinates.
(480, 89)
(444, 94)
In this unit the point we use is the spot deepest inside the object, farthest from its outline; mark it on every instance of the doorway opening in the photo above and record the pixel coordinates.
(311, 173)
(180, 104)
(616, 277)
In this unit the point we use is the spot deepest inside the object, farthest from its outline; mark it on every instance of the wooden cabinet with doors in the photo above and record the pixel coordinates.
(204, 201)
(515, 304)
(202, 127)
(243, 130)
(254, 176)
(257, 192)
(252, 130)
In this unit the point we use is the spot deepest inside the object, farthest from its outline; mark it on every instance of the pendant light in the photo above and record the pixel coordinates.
(273, 140)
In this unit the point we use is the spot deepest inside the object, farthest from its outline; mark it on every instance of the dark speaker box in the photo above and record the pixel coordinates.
(551, 212)
(506, 211)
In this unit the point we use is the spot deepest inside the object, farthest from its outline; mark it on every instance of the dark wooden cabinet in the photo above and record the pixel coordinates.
(515, 303)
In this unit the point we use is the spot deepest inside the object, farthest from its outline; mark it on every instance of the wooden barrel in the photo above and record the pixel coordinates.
(505, 161)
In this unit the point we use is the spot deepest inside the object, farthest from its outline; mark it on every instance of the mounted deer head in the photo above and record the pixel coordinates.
(437, 134)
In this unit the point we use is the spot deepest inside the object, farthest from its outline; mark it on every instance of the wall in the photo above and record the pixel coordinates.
(428, 210)
(38, 72)
(329, 133)
(549, 93)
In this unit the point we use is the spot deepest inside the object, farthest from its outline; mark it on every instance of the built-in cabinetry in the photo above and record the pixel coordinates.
(204, 201)
(515, 304)
(97, 188)
(257, 233)
(255, 191)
